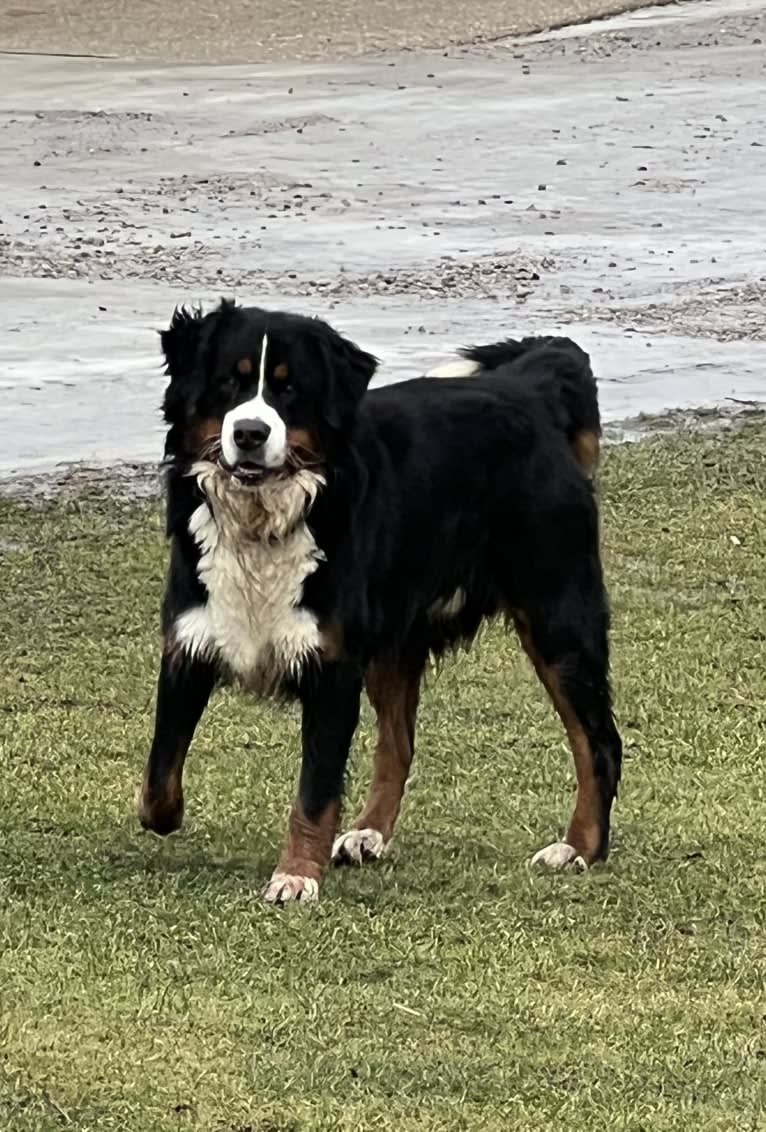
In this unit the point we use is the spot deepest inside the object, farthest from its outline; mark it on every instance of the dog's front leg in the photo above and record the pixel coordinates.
(330, 696)
(183, 690)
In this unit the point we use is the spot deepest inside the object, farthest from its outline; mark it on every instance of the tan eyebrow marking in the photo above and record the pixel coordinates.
(280, 372)
(244, 366)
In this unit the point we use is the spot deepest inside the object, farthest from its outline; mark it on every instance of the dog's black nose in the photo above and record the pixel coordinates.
(249, 435)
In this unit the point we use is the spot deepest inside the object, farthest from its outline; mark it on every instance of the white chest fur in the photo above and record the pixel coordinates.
(256, 552)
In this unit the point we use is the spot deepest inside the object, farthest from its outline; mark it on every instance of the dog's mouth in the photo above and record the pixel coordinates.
(247, 472)
(250, 474)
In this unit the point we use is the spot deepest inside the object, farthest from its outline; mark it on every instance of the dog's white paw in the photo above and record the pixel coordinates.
(284, 888)
(559, 855)
(358, 846)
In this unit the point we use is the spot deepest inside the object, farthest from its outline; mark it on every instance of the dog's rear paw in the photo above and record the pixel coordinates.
(285, 888)
(559, 855)
(357, 846)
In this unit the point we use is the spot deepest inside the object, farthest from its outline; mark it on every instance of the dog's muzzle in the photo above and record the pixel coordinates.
(253, 439)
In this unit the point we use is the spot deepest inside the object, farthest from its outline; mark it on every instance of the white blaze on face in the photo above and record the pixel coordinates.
(272, 453)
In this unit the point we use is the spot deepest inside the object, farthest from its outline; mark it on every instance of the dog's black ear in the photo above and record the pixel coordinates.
(181, 347)
(186, 345)
(181, 340)
(348, 372)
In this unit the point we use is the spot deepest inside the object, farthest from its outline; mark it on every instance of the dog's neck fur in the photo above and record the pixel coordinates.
(256, 552)
(267, 511)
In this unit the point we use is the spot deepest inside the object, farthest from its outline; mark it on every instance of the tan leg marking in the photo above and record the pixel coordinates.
(304, 857)
(163, 811)
(585, 826)
(394, 692)
(395, 695)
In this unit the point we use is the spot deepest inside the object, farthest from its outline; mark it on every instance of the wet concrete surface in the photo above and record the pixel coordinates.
(610, 184)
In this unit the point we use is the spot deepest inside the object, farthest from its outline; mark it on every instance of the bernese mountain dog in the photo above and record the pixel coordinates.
(325, 538)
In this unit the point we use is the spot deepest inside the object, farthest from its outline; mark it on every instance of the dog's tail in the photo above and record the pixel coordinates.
(560, 368)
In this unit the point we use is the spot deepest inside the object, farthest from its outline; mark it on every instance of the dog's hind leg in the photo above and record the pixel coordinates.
(183, 690)
(393, 686)
(568, 647)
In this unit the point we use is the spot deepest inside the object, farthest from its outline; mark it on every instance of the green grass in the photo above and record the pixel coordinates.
(143, 985)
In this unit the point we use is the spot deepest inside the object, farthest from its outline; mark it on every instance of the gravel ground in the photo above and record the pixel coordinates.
(193, 266)
(710, 308)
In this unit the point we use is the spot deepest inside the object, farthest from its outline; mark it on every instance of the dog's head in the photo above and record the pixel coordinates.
(261, 391)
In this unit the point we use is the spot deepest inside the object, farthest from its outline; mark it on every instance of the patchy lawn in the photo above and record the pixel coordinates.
(143, 985)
